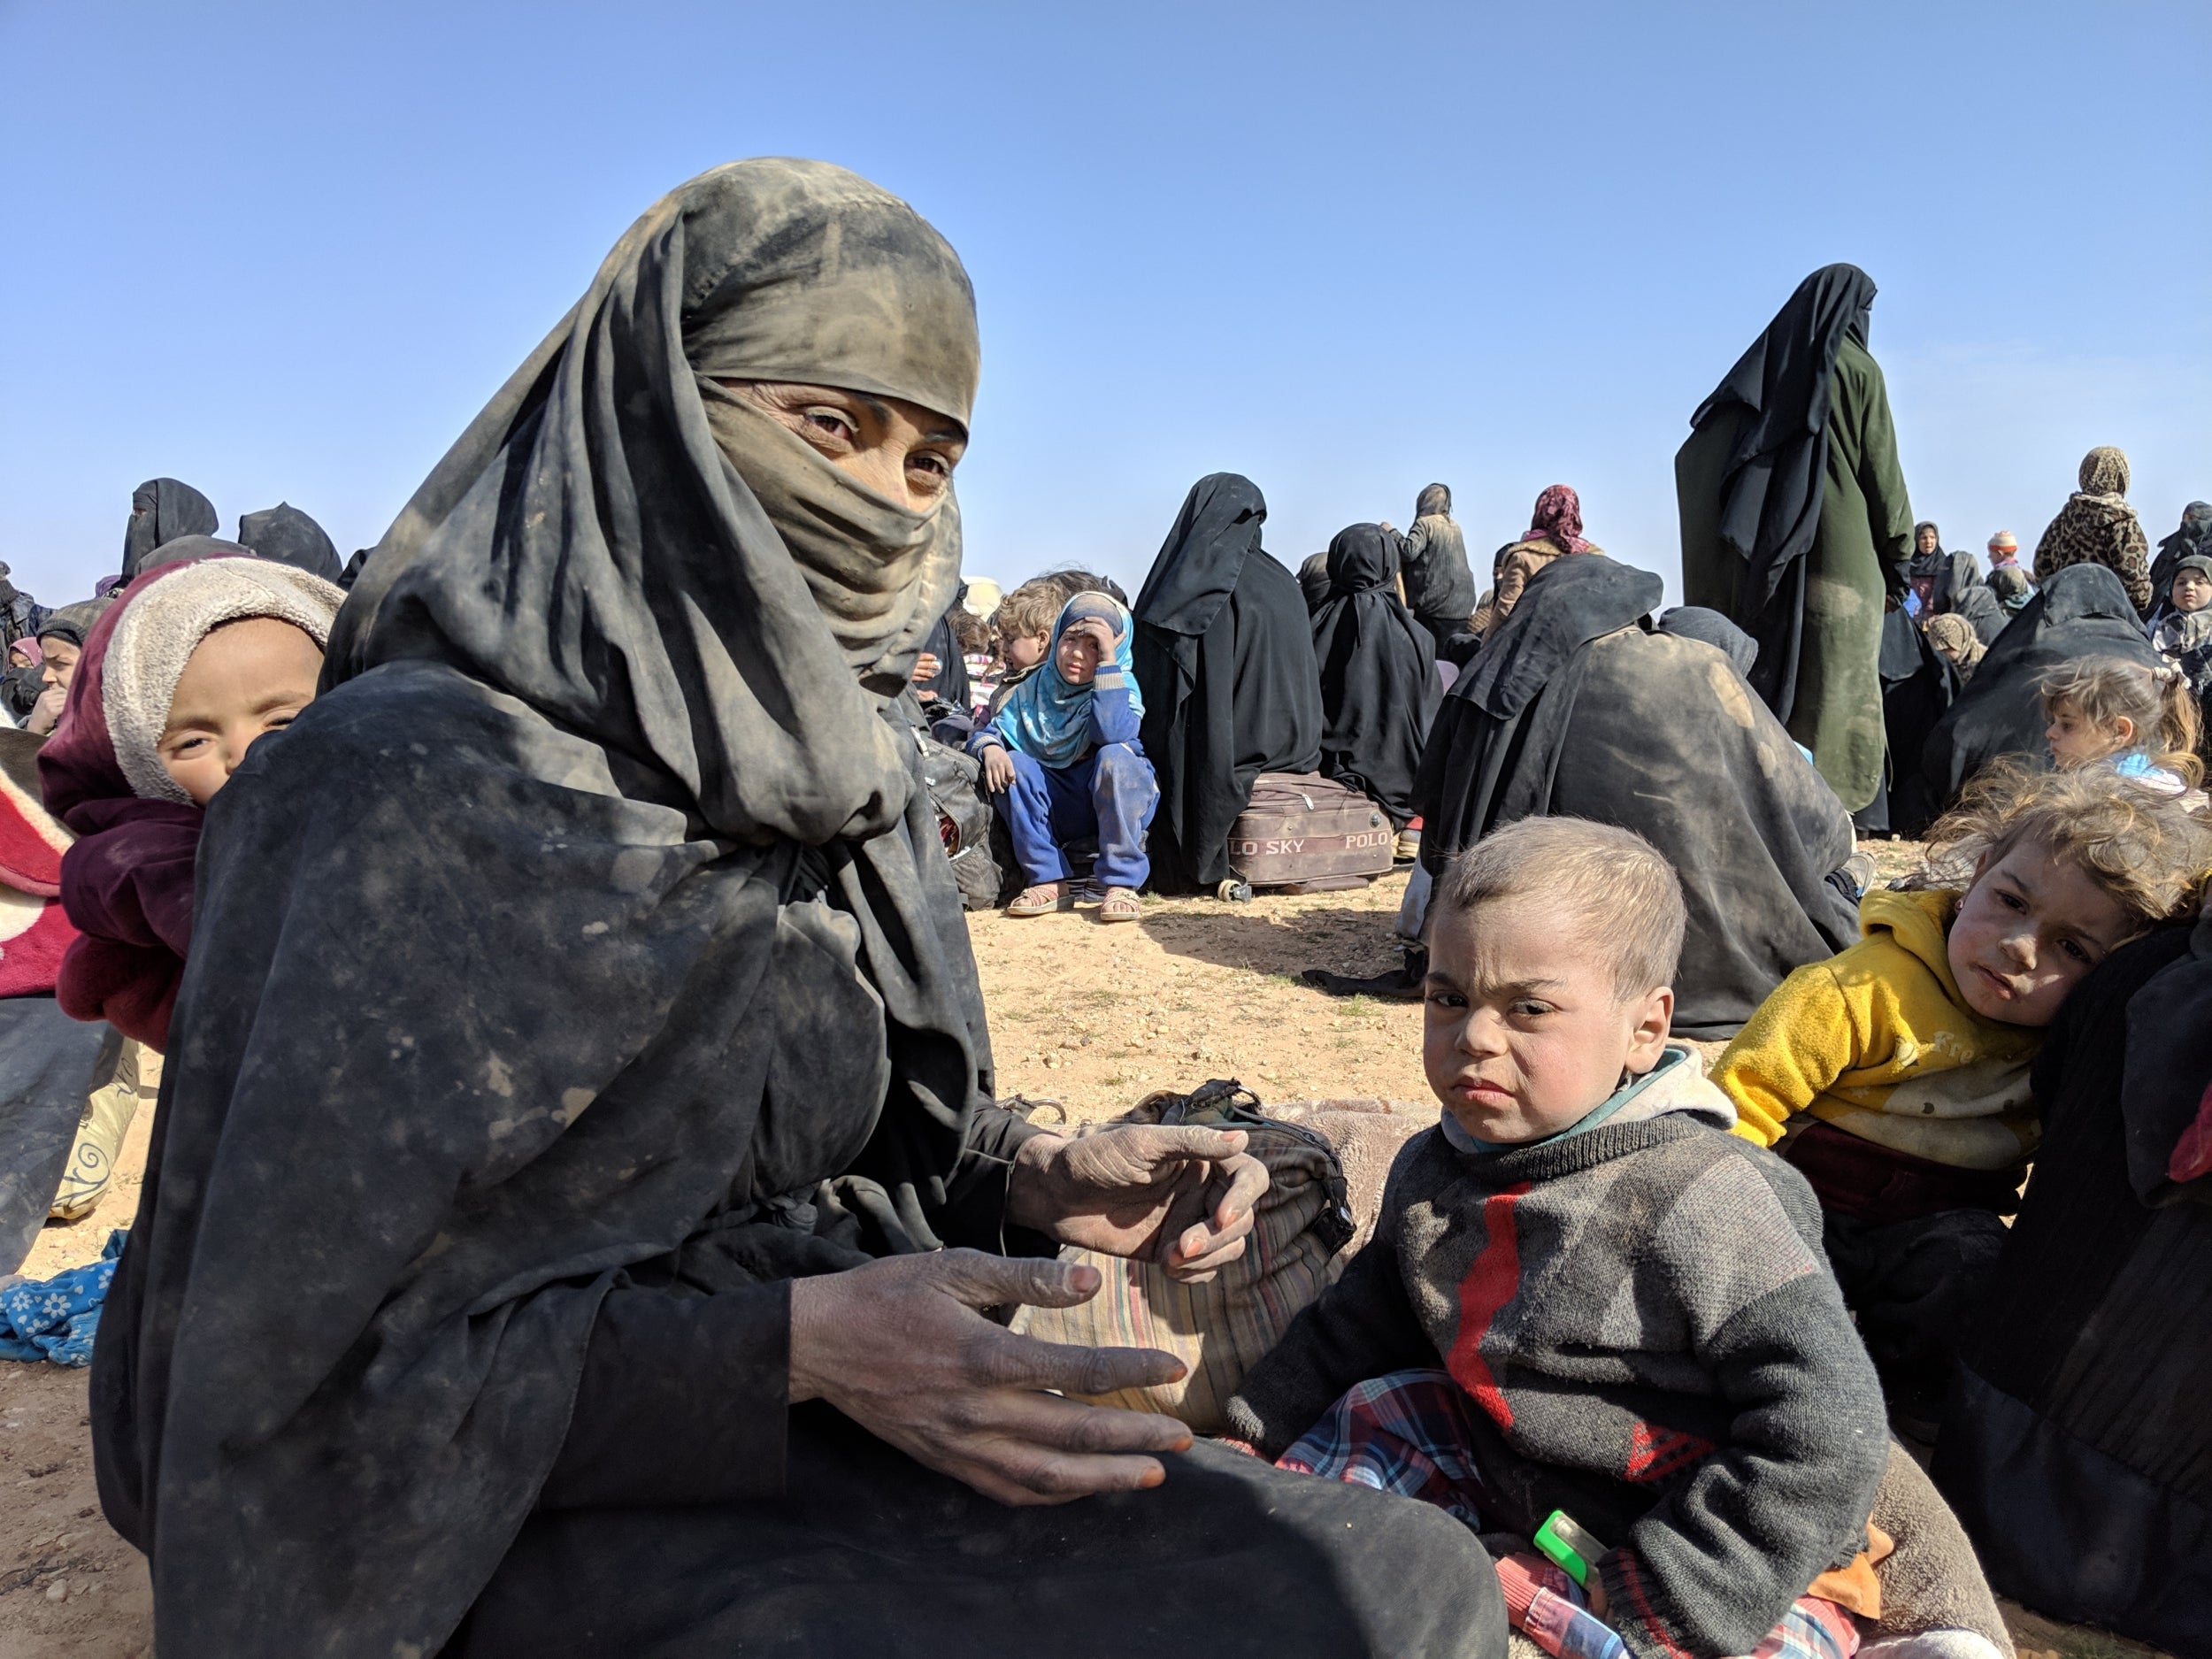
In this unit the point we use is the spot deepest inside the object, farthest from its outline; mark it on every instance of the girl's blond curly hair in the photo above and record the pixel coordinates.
(2145, 849)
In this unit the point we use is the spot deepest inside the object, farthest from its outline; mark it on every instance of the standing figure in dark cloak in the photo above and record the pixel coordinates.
(1573, 709)
(2082, 611)
(2190, 539)
(1225, 658)
(162, 509)
(1378, 685)
(1439, 586)
(285, 533)
(2075, 1446)
(1796, 524)
(581, 1065)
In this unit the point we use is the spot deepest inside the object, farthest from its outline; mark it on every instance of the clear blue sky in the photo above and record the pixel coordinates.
(287, 250)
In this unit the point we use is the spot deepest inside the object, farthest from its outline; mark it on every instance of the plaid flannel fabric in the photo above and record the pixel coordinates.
(1408, 1433)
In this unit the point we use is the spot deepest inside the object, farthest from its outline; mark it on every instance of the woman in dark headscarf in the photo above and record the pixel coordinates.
(591, 1301)
(285, 533)
(162, 509)
(2082, 610)
(1225, 657)
(2097, 526)
(1573, 709)
(1796, 524)
(1378, 685)
(2076, 1447)
(1432, 563)
(2193, 538)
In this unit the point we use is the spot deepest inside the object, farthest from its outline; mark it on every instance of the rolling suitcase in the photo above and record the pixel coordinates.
(1302, 832)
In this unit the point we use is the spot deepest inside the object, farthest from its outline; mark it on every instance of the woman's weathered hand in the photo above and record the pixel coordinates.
(1180, 1196)
(925, 667)
(998, 768)
(900, 1347)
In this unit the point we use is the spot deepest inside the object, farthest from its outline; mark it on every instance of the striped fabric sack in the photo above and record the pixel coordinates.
(1220, 1328)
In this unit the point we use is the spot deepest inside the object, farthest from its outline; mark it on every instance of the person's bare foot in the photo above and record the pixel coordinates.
(1040, 900)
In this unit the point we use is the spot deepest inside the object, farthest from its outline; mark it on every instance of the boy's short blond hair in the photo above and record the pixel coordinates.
(1610, 885)
(1030, 609)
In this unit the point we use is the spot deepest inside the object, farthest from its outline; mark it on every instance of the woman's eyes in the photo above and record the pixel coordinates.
(931, 466)
(833, 422)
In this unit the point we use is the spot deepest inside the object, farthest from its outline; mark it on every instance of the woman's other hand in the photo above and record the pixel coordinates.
(925, 667)
(1180, 1196)
(998, 768)
(900, 1347)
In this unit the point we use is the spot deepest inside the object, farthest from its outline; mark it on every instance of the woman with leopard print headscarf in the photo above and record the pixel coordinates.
(2097, 526)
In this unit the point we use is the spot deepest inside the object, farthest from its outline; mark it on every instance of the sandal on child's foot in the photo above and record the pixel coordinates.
(1120, 905)
(1042, 900)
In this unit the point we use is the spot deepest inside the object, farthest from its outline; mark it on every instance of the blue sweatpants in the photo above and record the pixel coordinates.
(1110, 793)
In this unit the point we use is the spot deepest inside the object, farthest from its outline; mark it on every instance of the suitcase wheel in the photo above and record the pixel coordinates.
(1234, 892)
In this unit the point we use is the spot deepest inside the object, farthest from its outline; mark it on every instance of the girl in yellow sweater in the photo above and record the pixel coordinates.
(1895, 1075)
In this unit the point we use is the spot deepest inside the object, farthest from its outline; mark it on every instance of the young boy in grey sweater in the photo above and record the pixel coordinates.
(1607, 1304)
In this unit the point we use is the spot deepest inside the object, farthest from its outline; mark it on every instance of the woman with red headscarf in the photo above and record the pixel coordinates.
(1555, 529)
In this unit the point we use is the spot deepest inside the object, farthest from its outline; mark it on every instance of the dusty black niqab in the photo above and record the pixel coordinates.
(1378, 685)
(589, 929)
(1777, 473)
(1573, 709)
(1225, 657)
(2081, 610)
(285, 533)
(162, 509)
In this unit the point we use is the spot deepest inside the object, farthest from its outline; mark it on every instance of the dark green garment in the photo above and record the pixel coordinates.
(1865, 521)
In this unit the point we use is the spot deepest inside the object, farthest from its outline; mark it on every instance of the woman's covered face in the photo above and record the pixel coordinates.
(18, 658)
(61, 660)
(1927, 539)
(897, 448)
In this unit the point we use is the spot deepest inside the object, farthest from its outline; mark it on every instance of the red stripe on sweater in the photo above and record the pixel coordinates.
(1491, 1283)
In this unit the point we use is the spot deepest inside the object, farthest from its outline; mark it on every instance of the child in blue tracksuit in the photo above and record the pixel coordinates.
(1063, 760)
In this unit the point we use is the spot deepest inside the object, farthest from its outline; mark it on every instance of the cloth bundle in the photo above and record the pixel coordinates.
(1219, 1328)
(55, 1319)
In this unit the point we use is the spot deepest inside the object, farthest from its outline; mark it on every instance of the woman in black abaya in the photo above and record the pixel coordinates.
(599, 1308)
(1225, 657)
(1574, 708)
(1378, 684)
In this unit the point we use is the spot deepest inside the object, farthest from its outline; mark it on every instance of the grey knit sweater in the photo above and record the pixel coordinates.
(1643, 1315)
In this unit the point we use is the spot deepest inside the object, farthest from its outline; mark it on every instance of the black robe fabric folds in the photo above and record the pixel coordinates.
(2082, 611)
(1378, 684)
(583, 965)
(1573, 709)
(1224, 654)
(2075, 1446)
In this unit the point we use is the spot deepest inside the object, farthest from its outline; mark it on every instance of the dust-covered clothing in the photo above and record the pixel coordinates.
(1432, 564)
(1878, 1042)
(1795, 522)
(1639, 1310)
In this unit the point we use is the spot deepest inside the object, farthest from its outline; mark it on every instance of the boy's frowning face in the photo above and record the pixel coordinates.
(1523, 1035)
(1024, 650)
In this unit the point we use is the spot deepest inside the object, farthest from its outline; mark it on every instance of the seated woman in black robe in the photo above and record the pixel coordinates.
(1225, 657)
(1574, 708)
(2082, 611)
(580, 1068)
(1378, 684)
(2075, 1446)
